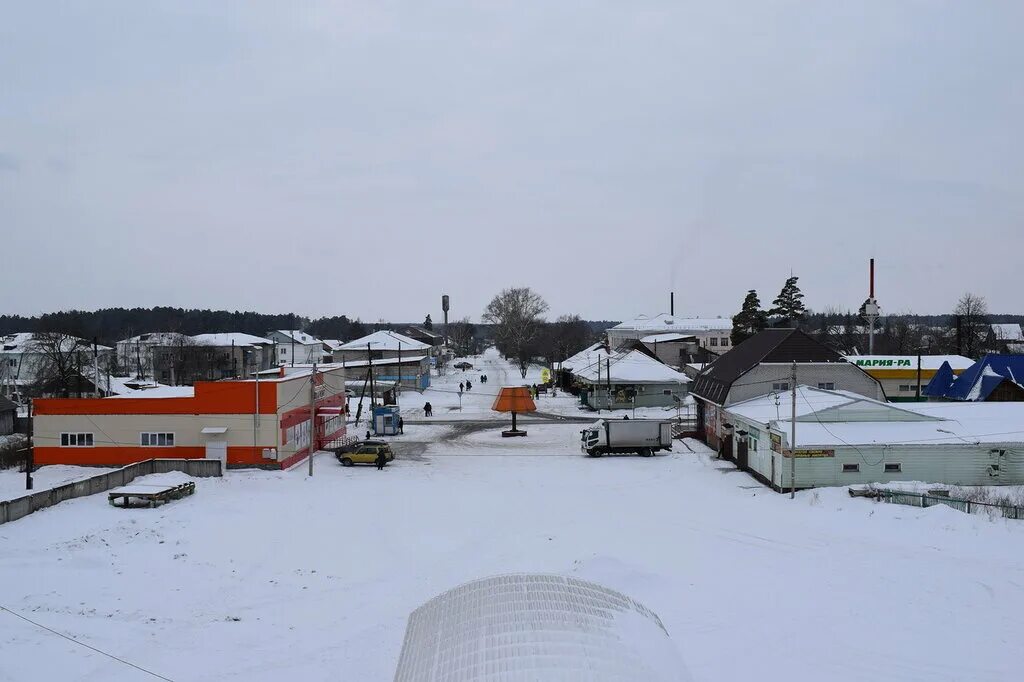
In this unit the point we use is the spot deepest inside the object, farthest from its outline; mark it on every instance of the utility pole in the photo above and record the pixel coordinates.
(918, 392)
(96, 368)
(29, 458)
(398, 386)
(312, 416)
(369, 359)
(256, 415)
(792, 439)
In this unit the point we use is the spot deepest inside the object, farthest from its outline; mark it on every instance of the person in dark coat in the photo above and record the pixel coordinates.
(401, 425)
(469, 386)
(382, 459)
(428, 410)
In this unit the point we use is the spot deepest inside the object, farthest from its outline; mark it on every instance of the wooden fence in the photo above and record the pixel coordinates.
(12, 510)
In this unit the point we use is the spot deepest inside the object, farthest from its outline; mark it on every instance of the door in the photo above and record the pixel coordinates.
(741, 454)
(218, 449)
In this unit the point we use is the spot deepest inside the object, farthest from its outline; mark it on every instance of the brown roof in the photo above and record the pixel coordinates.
(770, 345)
(514, 399)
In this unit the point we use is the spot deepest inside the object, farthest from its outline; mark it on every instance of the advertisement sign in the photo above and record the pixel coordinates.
(811, 453)
(545, 375)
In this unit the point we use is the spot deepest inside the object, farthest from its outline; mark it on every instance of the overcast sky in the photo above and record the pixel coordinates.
(363, 158)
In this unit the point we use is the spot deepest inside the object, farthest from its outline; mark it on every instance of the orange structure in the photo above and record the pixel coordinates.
(514, 399)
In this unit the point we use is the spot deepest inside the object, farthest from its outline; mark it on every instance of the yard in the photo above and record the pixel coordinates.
(274, 575)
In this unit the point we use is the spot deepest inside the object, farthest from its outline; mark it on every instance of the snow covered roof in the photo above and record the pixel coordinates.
(333, 344)
(385, 340)
(300, 337)
(924, 433)
(978, 381)
(632, 367)
(666, 338)
(957, 363)
(672, 323)
(229, 339)
(159, 392)
(28, 342)
(1008, 332)
(585, 357)
(153, 339)
(129, 386)
(824, 405)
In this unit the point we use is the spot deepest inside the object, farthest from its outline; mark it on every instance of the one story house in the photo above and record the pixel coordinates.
(380, 345)
(844, 438)
(630, 379)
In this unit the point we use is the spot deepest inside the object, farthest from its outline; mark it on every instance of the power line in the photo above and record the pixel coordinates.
(87, 646)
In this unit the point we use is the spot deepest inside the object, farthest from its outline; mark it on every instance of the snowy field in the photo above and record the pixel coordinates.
(12, 481)
(273, 575)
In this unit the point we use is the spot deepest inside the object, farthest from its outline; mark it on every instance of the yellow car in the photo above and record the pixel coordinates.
(364, 453)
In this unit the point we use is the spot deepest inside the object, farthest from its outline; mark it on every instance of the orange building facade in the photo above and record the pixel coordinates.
(244, 423)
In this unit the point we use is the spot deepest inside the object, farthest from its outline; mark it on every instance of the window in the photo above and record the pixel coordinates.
(667, 391)
(159, 440)
(907, 387)
(827, 385)
(76, 440)
(851, 468)
(284, 351)
(780, 386)
(893, 467)
(713, 341)
(725, 340)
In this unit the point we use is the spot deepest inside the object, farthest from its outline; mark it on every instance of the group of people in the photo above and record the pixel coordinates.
(466, 385)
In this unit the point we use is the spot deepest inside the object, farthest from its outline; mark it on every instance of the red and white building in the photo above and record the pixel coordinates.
(267, 422)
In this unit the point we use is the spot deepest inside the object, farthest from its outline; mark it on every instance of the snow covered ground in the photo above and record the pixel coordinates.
(12, 481)
(273, 575)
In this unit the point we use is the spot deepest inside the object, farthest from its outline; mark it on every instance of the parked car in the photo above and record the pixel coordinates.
(462, 365)
(364, 452)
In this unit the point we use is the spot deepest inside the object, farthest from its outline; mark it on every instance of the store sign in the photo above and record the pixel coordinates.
(885, 362)
(545, 375)
(811, 453)
(776, 442)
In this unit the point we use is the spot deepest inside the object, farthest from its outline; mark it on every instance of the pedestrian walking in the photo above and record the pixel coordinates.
(382, 459)
(462, 387)
(428, 411)
(469, 386)
(367, 434)
(401, 425)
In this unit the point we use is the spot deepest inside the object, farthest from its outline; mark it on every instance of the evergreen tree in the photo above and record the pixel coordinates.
(428, 324)
(789, 305)
(750, 320)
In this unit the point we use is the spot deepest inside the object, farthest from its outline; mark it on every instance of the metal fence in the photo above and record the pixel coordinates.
(12, 510)
(967, 506)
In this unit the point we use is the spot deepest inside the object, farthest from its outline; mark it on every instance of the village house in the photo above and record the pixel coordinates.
(763, 364)
(712, 334)
(845, 438)
(295, 347)
(381, 345)
(624, 380)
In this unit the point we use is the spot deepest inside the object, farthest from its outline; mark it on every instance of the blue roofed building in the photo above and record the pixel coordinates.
(994, 378)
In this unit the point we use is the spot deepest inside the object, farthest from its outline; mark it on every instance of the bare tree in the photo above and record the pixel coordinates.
(970, 317)
(516, 315)
(462, 335)
(57, 366)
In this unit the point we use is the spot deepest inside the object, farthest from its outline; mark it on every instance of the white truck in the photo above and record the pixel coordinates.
(642, 436)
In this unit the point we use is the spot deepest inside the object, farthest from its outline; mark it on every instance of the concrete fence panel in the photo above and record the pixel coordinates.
(20, 507)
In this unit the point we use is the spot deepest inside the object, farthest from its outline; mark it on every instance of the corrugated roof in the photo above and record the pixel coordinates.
(978, 381)
(769, 345)
(385, 340)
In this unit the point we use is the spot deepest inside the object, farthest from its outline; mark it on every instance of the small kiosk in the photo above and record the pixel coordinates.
(385, 420)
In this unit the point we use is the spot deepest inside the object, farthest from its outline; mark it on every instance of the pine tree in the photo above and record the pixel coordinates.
(428, 324)
(750, 320)
(789, 306)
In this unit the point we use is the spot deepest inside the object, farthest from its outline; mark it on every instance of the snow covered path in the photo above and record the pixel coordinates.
(272, 575)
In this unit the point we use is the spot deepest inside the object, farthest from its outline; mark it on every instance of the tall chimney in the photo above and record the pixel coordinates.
(872, 295)
(672, 303)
